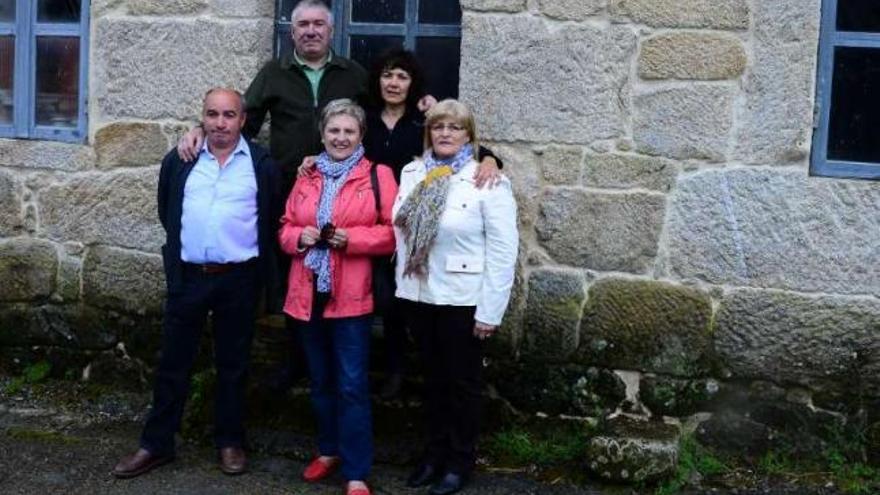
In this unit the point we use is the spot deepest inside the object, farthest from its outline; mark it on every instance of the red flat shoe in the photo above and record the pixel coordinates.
(357, 491)
(318, 469)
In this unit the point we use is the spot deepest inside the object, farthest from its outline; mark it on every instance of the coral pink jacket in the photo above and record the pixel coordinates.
(351, 267)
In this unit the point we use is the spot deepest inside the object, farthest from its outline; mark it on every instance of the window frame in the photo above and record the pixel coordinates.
(26, 29)
(829, 39)
(409, 30)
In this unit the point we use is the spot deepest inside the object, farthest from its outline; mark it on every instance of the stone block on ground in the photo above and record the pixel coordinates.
(710, 14)
(116, 208)
(123, 280)
(555, 302)
(633, 450)
(776, 229)
(601, 231)
(578, 98)
(130, 143)
(690, 55)
(28, 268)
(649, 326)
(684, 122)
(64, 326)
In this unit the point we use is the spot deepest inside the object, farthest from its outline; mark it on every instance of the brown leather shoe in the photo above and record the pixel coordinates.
(232, 460)
(139, 463)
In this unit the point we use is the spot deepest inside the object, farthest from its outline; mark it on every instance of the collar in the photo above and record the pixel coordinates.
(292, 60)
(241, 147)
(304, 66)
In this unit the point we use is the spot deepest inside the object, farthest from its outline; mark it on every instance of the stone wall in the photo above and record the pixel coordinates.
(659, 151)
(79, 235)
(671, 233)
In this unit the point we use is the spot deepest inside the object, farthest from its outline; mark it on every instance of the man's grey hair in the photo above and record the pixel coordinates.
(344, 106)
(225, 90)
(310, 4)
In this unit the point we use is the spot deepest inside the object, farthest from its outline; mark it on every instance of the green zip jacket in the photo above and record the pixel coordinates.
(282, 89)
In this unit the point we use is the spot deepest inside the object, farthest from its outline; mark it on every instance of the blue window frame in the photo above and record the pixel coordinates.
(846, 138)
(365, 28)
(43, 68)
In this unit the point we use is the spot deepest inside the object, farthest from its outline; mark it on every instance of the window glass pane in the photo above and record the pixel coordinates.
(365, 48)
(284, 42)
(58, 11)
(858, 15)
(855, 108)
(387, 11)
(439, 12)
(7, 10)
(285, 7)
(440, 59)
(57, 98)
(7, 64)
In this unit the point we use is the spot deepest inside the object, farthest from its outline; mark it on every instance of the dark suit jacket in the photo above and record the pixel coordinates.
(172, 179)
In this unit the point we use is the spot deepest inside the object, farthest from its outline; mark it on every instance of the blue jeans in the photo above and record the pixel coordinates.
(338, 351)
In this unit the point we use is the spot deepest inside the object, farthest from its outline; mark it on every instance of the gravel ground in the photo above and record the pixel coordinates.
(62, 438)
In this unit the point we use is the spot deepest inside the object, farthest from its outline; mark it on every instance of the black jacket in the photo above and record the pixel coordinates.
(172, 179)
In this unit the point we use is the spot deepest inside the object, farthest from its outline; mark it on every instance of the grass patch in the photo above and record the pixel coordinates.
(543, 445)
(693, 459)
(40, 436)
(34, 373)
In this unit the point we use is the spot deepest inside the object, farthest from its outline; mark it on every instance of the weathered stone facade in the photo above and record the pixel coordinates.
(658, 148)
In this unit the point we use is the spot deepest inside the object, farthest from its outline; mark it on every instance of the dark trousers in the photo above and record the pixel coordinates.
(231, 298)
(452, 359)
(395, 338)
(338, 352)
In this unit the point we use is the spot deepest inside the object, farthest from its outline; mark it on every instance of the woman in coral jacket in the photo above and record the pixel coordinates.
(331, 229)
(456, 252)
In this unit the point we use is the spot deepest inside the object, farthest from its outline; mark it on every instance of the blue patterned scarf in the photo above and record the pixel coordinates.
(334, 175)
(419, 216)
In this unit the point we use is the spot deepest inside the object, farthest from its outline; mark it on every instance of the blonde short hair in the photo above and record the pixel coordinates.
(453, 110)
(344, 106)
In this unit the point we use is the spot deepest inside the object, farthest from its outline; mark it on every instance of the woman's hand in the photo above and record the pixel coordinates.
(309, 237)
(483, 331)
(307, 163)
(339, 239)
(190, 143)
(487, 173)
(426, 102)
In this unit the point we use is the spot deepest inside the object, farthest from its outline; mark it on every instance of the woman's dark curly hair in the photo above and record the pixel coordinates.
(397, 58)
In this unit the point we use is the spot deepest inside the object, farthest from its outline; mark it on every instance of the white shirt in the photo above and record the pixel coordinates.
(219, 220)
(473, 258)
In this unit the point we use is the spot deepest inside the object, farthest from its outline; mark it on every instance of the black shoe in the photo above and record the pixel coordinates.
(450, 484)
(391, 388)
(423, 475)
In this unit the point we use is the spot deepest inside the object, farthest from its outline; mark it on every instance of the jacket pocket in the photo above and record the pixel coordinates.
(464, 264)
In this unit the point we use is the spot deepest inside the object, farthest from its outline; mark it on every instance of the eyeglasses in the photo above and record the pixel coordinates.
(448, 127)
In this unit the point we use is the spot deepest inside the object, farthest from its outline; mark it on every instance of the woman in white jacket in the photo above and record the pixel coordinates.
(456, 252)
